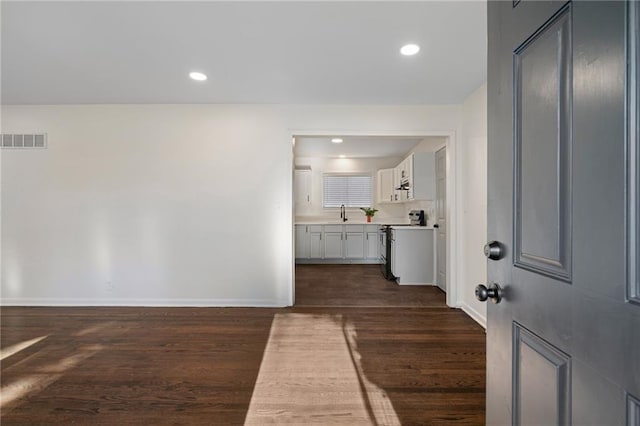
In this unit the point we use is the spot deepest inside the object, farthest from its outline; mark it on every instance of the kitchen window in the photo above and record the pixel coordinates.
(352, 190)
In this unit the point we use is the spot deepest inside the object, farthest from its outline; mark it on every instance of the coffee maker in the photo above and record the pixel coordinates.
(417, 218)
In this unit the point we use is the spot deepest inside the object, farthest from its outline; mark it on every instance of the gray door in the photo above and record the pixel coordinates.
(563, 344)
(441, 218)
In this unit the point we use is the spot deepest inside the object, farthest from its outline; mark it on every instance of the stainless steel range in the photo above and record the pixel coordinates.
(385, 251)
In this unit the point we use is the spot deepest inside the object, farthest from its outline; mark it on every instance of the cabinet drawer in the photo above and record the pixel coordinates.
(354, 228)
(315, 228)
(372, 228)
(332, 228)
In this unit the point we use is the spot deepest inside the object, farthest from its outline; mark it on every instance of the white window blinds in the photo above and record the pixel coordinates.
(350, 190)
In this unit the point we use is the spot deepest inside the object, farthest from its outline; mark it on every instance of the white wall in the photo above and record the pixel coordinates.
(430, 144)
(472, 203)
(164, 204)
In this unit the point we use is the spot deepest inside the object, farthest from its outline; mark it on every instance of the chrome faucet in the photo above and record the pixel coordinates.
(343, 213)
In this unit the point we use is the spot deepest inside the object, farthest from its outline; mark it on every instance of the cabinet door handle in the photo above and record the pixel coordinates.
(306, 229)
(307, 198)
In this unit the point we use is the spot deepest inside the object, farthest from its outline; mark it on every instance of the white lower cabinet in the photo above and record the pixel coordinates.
(316, 243)
(337, 243)
(309, 244)
(354, 241)
(302, 242)
(371, 242)
(412, 256)
(333, 242)
(333, 245)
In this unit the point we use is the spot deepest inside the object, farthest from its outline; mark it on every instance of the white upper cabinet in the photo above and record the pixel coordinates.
(385, 185)
(396, 183)
(423, 176)
(417, 171)
(302, 188)
(405, 169)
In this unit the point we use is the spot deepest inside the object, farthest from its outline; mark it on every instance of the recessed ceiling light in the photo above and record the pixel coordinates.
(342, 156)
(197, 76)
(336, 140)
(410, 49)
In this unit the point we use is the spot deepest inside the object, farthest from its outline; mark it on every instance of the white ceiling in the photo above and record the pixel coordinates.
(355, 146)
(253, 52)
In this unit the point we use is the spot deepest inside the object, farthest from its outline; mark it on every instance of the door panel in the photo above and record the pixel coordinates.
(562, 193)
(633, 411)
(542, 148)
(541, 384)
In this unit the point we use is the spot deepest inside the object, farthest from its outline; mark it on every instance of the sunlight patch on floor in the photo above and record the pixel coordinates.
(311, 374)
(14, 349)
(43, 376)
(97, 328)
(380, 404)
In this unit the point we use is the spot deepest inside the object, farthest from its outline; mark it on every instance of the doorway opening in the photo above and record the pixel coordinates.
(339, 252)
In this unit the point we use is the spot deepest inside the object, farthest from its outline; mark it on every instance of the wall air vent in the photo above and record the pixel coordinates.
(23, 140)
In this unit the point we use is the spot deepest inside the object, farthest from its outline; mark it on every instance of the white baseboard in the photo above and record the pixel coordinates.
(217, 303)
(431, 284)
(337, 262)
(475, 315)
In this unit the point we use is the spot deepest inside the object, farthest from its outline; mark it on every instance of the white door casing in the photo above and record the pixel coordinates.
(441, 218)
(451, 144)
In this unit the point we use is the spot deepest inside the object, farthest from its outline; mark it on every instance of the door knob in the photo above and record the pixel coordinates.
(494, 292)
(493, 250)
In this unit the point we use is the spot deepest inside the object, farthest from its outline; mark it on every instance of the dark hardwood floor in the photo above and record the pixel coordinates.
(359, 285)
(199, 366)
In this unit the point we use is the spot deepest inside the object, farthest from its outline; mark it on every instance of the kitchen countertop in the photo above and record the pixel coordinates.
(394, 225)
(349, 222)
(424, 228)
